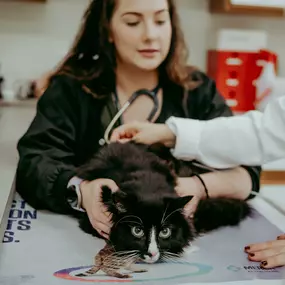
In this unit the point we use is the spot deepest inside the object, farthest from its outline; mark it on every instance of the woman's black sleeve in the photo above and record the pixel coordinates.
(47, 149)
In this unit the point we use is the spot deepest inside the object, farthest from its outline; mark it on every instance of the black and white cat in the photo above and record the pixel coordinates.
(147, 212)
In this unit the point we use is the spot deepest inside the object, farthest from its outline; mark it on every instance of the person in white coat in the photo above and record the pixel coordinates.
(250, 139)
(253, 138)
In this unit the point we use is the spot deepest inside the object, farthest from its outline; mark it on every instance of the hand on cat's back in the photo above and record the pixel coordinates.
(190, 186)
(91, 202)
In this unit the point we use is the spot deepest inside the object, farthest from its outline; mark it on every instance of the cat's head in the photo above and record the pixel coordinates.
(152, 229)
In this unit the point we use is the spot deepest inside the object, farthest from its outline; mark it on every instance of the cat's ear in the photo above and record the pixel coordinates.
(119, 198)
(106, 195)
(177, 202)
(113, 200)
(183, 201)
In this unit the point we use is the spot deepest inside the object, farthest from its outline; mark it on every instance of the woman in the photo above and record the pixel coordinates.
(123, 46)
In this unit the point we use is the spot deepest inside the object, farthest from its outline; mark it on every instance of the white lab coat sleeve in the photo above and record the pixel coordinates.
(253, 138)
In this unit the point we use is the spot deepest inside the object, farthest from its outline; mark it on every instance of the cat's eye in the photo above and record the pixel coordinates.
(165, 233)
(137, 232)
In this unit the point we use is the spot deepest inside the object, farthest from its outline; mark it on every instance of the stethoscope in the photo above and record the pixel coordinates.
(150, 93)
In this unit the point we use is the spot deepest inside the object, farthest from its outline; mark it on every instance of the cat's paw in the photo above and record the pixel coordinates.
(135, 269)
(123, 276)
(140, 271)
(115, 274)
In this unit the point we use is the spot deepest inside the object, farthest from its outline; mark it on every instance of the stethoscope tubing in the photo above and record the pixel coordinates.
(114, 120)
(134, 96)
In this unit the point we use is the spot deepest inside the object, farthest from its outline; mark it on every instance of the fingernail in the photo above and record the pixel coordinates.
(252, 254)
(247, 248)
(104, 234)
(264, 263)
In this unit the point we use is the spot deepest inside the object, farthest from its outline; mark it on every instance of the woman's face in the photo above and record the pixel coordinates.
(141, 32)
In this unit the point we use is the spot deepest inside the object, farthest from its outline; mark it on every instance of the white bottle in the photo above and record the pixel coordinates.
(265, 85)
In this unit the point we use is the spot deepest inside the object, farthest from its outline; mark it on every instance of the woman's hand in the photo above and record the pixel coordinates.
(145, 133)
(190, 186)
(97, 213)
(270, 254)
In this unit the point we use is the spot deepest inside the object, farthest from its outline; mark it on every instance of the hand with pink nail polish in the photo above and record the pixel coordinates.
(271, 253)
(97, 213)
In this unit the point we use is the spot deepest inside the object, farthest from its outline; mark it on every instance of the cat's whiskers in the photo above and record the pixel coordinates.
(167, 254)
(171, 254)
(166, 258)
(131, 222)
(162, 220)
(171, 214)
(130, 216)
(169, 259)
(172, 257)
(110, 260)
(120, 260)
(125, 252)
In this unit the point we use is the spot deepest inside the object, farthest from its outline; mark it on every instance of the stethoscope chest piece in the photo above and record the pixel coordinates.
(102, 142)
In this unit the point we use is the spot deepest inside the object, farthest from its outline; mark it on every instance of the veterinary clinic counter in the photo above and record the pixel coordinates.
(13, 123)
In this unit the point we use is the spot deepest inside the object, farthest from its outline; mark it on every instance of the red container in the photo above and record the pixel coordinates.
(235, 74)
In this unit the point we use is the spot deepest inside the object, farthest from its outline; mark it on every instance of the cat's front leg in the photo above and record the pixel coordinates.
(94, 269)
(134, 269)
(90, 272)
(113, 273)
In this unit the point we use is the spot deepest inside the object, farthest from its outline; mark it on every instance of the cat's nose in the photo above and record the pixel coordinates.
(151, 257)
(153, 253)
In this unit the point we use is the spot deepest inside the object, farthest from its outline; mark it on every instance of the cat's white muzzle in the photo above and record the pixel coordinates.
(151, 259)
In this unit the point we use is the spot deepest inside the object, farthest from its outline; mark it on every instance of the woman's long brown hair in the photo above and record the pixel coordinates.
(91, 59)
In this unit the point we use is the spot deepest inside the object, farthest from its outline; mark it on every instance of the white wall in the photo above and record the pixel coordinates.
(33, 37)
(201, 29)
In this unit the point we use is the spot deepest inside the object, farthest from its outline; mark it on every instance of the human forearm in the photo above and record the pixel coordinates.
(233, 183)
(251, 139)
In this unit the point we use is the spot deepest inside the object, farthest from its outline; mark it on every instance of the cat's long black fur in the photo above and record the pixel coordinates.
(147, 180)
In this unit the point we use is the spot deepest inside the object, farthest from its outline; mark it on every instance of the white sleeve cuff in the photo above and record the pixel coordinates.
(188, 134)
(74, 181)
(76, 203)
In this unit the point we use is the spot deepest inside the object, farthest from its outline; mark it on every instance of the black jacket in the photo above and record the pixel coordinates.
(68, 126)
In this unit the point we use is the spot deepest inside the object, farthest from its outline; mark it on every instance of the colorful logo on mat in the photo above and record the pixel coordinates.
(158, 272)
